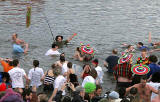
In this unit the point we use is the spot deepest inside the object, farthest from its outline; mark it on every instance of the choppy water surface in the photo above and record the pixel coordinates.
(104, 24)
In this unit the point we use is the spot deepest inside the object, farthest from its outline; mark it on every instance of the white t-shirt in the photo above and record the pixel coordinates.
(51, 52)
(88, 79)
(17, 75)
(59, 81)
(155, 86)
(100, 73)
(35, 75)
(64, 68)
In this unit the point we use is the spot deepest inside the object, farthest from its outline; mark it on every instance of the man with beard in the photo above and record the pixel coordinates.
(144, 90)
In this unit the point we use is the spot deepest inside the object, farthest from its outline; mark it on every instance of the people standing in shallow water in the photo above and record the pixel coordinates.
(60, 42)
(111, 61)
(19, 46)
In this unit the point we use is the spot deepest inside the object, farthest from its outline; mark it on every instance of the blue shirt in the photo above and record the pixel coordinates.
(153, 69)
(143, 47)
(112, 61)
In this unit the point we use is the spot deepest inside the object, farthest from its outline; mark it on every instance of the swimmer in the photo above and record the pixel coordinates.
(18, 44)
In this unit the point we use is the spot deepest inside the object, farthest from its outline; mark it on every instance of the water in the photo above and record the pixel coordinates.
(104, 24)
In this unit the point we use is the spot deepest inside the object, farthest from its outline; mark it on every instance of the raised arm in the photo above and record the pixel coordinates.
(149, 38)
(70, 38)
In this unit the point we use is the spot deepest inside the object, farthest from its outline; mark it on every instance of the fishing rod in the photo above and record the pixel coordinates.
(48, 25)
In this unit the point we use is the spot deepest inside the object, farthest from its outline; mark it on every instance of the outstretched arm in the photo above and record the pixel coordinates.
(154, 50)
(70, 38)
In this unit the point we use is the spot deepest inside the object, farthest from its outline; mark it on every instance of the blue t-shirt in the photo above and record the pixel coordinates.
(143, 47)
(153, 69)
(112, 61)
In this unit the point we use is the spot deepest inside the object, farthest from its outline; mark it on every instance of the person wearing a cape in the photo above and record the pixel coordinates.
(19, 46)
(60, 42)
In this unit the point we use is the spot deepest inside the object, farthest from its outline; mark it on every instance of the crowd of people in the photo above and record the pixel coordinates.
(136, 81)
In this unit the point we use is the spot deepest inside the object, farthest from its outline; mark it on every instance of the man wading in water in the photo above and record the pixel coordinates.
(60, 42)
(18, 44)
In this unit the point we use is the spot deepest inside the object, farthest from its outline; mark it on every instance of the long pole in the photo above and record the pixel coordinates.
(48, 25)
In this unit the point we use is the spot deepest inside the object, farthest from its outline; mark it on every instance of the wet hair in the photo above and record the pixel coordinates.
(98, 87)
(153, 58)
(140, 43)
(54, 45)
(144, 50)
(69, 65)
(35, 63)
(15, 62)
(66, 99)
(156, 77)
(133, 91)
(58, 36)
(122, 92)
(78, 49)
(62, 58)
(129, 46)
(53, 66)
(93, 73)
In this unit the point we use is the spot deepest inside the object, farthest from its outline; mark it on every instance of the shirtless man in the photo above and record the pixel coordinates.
(18, 44)
(144, 90)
